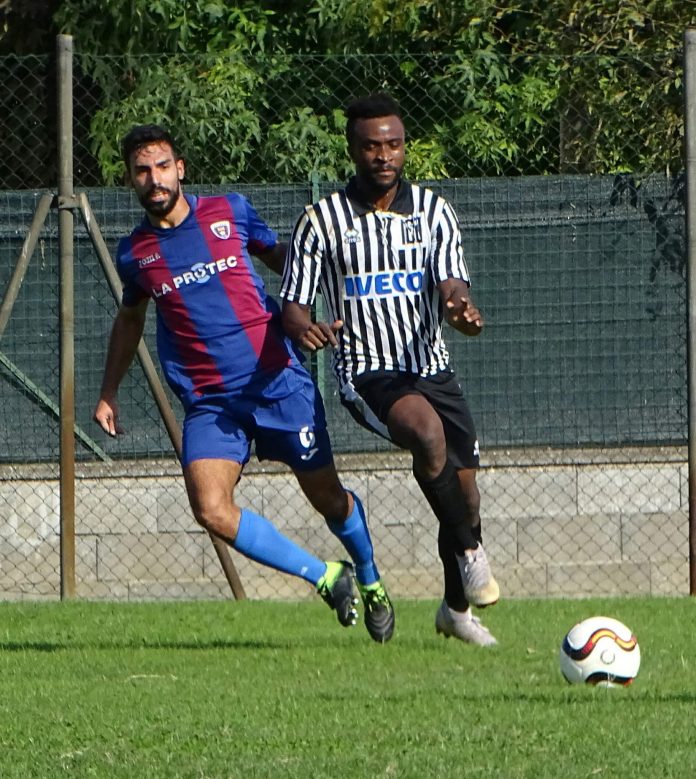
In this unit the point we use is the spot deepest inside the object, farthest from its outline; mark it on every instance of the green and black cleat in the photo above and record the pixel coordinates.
(379, 612)
(336, 589)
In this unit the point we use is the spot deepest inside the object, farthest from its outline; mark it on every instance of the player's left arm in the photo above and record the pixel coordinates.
(263, 241)
(274, 258)
(452, 275)
(460, 311)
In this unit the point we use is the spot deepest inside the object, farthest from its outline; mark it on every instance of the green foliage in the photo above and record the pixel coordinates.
(426, 159)
(215, 109)
(140, 27)
(546, 87)
(306, 142)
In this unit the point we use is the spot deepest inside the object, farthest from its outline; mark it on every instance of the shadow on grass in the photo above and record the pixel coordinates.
(135, 643)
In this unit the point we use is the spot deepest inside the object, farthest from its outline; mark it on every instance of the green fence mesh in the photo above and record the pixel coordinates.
(581, 280)
(572, 210)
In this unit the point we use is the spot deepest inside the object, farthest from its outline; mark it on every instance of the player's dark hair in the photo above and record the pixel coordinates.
(369, 107)
(143, 135)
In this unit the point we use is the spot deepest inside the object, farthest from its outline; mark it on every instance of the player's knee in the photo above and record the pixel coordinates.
(428, 444)
(333, 505)
(217, 517)
(424, 439)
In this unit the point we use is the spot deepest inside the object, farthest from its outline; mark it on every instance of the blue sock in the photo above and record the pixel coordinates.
(259, 540)
(355, 537)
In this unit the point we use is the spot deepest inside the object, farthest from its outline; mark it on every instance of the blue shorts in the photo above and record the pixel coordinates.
(283, 415)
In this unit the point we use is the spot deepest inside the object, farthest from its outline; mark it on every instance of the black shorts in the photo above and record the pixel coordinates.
(370, 396)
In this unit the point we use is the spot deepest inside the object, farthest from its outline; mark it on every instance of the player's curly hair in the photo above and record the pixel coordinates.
(368, 107)
(143, 135)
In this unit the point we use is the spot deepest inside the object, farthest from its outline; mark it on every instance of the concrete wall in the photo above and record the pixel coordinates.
(556, 524)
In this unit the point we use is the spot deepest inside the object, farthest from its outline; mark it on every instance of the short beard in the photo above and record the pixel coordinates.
(162, 208)
(380, 186)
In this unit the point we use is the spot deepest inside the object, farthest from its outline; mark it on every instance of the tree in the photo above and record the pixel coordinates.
(255, 89)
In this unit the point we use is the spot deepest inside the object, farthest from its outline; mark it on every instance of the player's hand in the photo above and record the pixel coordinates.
(106, 416)
(463, 315)
(318, 335)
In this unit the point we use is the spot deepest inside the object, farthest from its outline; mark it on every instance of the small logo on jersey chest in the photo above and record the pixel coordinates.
(351, 236)
(221, 229)
(411, 231)
(147, 260)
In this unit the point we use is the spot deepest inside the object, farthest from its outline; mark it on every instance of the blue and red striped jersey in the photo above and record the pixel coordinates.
(217, 328)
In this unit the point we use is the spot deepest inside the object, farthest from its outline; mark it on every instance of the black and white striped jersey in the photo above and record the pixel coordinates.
(378, 272)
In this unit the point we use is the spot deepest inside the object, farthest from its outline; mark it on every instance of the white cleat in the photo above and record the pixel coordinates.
(466, 627)
(480, 587)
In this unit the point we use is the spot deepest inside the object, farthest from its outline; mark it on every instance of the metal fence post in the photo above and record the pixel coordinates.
(67, 318)
(690, 161)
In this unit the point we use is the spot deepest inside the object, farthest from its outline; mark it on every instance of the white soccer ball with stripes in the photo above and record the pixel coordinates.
(601, 651)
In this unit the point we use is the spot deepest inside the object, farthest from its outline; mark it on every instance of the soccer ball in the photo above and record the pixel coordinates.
(600, 651)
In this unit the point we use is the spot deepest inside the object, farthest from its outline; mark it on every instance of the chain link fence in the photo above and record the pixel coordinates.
(572, 212)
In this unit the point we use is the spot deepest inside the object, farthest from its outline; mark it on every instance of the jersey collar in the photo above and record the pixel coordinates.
(402, 203)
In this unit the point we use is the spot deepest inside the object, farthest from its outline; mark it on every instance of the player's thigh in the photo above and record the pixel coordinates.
(412, 420)
(391, 404)
(292, 428)
(445, 395)
(215, 430)
(210, 486)
(293, 431)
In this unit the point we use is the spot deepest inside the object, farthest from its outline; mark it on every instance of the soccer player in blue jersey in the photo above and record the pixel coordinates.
(238, 377)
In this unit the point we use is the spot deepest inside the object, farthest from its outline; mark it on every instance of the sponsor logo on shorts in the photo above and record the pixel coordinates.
(476, 448)
(308, 441)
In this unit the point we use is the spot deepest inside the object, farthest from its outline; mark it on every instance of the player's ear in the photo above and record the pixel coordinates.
(181, 168)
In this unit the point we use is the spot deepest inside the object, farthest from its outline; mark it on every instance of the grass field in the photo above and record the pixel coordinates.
(244, 690)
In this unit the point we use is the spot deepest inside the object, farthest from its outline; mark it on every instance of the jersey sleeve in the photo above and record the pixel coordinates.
(448, 255)
(261, 237)
(133, 293)
(303, 262)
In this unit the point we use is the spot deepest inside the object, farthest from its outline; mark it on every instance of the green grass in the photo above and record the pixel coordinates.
(217, 690)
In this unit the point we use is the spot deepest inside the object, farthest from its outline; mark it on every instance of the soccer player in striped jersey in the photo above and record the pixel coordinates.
(387, 257)
(239, 378)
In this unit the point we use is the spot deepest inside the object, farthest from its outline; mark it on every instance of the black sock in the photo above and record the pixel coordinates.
(444, 494)
(454, 589)
(476, 532)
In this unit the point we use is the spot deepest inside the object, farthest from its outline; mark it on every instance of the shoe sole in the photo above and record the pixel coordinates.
(442, 632)
(346, 612)
(381, 635)
(484, 605)
(480, 600)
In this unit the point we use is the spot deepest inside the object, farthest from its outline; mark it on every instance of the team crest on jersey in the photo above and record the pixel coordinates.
(221, 229)
(411, 231)
(351, 236)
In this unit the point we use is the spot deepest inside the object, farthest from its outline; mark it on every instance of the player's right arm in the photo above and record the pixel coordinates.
(299, 287)
(298, 324)
(126, 333)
